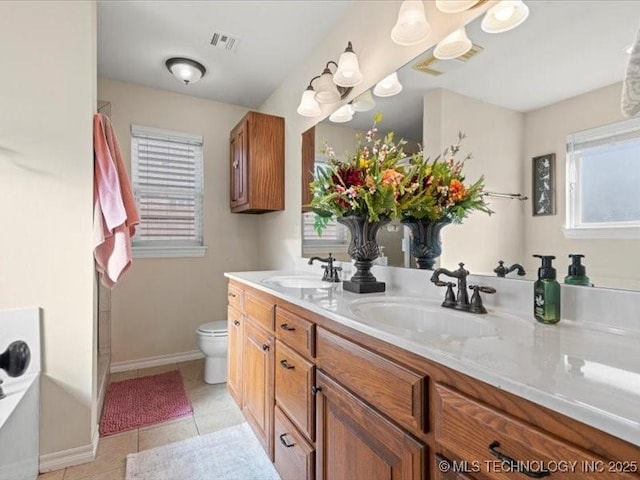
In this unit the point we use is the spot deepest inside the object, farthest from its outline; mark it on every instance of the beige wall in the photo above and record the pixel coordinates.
(609, 262)
(160, 302)
(494, 138)
(367, 24)
(47, 93)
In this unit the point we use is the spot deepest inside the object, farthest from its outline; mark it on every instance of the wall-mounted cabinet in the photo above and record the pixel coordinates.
(256, 151)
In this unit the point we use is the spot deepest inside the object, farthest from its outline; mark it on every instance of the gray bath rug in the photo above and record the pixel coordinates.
(230, 454)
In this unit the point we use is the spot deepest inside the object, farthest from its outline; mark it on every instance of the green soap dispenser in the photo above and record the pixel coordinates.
(546, 292)
(577, 272)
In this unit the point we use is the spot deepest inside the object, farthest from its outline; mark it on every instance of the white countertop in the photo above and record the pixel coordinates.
(589, 374)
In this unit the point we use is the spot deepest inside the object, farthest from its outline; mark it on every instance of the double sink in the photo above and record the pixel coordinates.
(404, 314)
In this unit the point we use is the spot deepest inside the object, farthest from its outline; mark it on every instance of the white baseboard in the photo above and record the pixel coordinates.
(155, 361)
(71, 457)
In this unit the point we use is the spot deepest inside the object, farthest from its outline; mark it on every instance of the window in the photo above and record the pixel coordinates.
(167, 184)
(603, 180)
(334, 235)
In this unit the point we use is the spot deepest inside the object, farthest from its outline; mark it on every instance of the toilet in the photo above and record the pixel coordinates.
(212, 340)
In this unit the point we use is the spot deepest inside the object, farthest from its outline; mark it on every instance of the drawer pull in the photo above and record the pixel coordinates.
(285, 443)
(236, 323)
(233, 295)
(315, 389)
(514, 463)
(265, 347)
(286, 327)
(284, 364)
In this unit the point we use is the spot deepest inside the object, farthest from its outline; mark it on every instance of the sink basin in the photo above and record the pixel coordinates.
(410, 315)
(298, 282)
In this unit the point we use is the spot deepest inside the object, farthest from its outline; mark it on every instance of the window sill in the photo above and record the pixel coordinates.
(602, 233)
(169, 252)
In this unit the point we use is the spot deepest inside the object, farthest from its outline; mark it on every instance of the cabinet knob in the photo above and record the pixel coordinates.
(285, 326)
(235, 164)
(284, 441)
(265, 347)
(236, 323)
(285, 364)
(231, 294)
(508, 461)
(315, 389)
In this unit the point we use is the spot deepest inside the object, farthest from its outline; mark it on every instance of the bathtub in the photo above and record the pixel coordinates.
(19, 409)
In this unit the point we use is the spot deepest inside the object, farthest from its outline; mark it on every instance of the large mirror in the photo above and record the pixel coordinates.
(517, 95)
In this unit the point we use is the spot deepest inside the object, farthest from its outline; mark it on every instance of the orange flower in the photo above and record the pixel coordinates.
(457, 191)
(391, 177)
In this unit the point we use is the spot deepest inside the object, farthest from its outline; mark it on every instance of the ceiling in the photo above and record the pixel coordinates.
(136, 37)
(565, 48)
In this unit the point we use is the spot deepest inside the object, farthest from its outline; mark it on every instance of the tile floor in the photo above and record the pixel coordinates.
(213, 409)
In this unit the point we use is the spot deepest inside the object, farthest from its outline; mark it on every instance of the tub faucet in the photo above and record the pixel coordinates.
(502, 271)
(330, 272)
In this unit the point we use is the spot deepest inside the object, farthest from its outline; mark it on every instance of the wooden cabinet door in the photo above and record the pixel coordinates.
(234, 363)
(238, 151)
(355, 442)
(257, 382)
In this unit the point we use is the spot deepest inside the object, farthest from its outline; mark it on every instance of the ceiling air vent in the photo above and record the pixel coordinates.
(225, 41)
(433, 66)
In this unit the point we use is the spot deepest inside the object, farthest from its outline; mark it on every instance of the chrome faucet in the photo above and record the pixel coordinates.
(503, 271)
(330, 272)
(460, 301)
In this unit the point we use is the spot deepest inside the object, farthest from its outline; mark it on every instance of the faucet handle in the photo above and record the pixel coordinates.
(476, 306)
(500, 270)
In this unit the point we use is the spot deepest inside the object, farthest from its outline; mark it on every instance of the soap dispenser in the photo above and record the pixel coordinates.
(577, 271)
(546, 292)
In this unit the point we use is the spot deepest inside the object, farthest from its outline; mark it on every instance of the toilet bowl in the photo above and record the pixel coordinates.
(212, 340)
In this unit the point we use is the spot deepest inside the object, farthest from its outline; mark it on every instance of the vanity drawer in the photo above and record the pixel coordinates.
(234, 297)
(471, 430)
(388, 387)
(295, 331)
(294, 458)
(294, 378)
(259, 309)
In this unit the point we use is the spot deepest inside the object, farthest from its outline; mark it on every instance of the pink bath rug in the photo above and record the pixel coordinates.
(143, 401)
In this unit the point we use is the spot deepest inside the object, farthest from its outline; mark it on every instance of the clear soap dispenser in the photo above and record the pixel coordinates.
(546, 292)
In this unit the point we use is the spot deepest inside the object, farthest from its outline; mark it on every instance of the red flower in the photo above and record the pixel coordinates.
(351, 176)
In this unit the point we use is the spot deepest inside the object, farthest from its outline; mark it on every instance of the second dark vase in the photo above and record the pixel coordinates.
(363, 248)
(426, 246)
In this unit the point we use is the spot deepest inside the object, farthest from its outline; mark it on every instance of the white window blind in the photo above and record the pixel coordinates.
(334, 234)
(603, 173)
(168, 185)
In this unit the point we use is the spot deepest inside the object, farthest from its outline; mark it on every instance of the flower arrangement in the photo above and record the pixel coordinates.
(379, 181)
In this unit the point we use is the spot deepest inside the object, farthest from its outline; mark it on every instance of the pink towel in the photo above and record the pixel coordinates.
(114, 208)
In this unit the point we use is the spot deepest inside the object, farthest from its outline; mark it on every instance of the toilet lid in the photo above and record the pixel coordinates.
(214, 328)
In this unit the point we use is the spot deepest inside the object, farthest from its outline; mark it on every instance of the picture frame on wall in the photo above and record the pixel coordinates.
(543, 186)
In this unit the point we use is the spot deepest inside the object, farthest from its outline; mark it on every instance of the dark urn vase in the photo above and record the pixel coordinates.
(363, 248)
(425, 242)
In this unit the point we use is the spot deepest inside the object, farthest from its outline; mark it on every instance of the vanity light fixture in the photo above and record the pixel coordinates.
(412, 26)
(186, 70)
(455, 6)
(331, 86)
(388, 86)
(308, 106)
(364, 102)
(453, 46)
(504, 16)
(342, 115)
(348, 73)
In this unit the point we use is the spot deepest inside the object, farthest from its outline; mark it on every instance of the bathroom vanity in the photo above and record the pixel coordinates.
(336, 389)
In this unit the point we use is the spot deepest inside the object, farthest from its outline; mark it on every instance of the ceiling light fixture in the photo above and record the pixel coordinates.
(186, 70)
(455, 6)
(411, 27)
(364, 102)
(331, 87)
(388, 86)
(453, 46)
(342, 115)
(504, 16)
